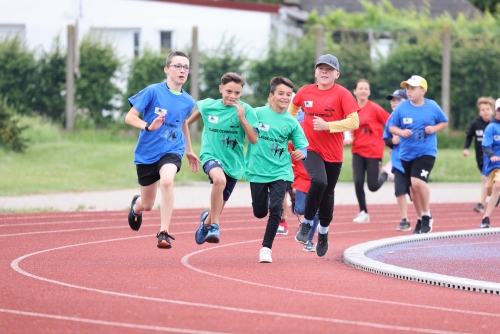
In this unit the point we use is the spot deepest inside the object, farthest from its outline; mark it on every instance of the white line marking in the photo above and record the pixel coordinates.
(15, 266)
(107, 323)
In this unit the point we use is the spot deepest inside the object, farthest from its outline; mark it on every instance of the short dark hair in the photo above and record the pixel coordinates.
(361, 80)
(173, 54)
(276, 81)
(232, 77)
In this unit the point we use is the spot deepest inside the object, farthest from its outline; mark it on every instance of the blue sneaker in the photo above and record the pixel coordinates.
(201, 233)
(213, 234)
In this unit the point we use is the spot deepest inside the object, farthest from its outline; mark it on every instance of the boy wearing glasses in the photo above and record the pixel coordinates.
(416, 122)
(163, 140)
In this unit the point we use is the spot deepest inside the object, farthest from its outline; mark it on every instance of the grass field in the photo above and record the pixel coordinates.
(92, 160)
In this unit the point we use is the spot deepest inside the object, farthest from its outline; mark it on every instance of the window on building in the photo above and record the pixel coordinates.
(166, 40)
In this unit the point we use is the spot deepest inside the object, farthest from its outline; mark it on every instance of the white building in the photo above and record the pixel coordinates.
(133, 25)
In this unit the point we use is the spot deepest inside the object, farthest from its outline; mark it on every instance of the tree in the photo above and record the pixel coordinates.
(487, 5)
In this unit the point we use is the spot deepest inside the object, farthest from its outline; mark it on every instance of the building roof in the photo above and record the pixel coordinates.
(437, 7)
(250, 6)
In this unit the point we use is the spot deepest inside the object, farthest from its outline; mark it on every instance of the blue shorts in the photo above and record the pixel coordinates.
(230, 182)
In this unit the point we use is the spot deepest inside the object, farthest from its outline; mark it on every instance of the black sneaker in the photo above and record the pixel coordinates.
(485, 223)
(404, 225)
(322, 244)
(426, 224)
(479, 208)
(302, 235)
(418, 227)
(133, 220)
(164, 240)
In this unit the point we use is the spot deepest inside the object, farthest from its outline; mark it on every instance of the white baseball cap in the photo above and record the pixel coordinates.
(497, 104)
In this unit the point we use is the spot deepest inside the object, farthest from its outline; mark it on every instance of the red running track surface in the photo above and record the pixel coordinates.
(88, 272)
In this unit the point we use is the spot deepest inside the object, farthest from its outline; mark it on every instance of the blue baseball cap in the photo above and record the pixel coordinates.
(399, 94)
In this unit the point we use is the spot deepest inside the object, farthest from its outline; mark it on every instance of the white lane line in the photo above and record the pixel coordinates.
(106, 323)
(15, 266)
(185, 261)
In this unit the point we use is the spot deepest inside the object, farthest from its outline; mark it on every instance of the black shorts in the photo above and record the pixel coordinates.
(148, 174)
(230, 182)
(419, 168)
(400, 183)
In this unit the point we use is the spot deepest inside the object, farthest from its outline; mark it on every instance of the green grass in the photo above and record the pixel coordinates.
(90, 160)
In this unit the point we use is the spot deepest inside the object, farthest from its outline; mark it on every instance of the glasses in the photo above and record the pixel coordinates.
(179, 67)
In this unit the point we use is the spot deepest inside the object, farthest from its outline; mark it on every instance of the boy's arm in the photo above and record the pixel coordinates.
(195, 115)
(351, 122)
(250, 132)
(435, 128)
(293, 109)
(193, 161)
(469, 135)
(132, 118)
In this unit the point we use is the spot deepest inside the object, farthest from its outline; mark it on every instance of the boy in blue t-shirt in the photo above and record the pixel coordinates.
(491, 166)
(162, 141)
(416, 121)
(400, 184)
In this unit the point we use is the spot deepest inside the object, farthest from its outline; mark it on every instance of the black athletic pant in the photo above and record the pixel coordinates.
(321, 195)
(268, 197)
(370, 166)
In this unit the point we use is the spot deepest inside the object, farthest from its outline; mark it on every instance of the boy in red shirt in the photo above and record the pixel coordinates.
(330, 109)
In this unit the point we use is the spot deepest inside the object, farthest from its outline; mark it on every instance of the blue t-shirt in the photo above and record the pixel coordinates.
(408, 116)
(169, 138)
(395, 160)
(491, 139)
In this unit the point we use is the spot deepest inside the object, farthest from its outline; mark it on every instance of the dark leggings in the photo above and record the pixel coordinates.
(371, 166)
(321, 195)
(268, 197)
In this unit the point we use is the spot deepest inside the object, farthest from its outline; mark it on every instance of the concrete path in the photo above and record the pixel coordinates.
(197, 195)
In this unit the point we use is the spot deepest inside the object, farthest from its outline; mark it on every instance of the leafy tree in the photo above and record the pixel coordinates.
(17, 68)
(95, 90)
(492, 6)
(10, 129)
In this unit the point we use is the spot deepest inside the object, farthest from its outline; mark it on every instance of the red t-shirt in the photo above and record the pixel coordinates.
(301, 179)
(333, 104)
(368, 138)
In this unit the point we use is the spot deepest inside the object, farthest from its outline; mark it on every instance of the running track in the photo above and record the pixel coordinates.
(88, 272)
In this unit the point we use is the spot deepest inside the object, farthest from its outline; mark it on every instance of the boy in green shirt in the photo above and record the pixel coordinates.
(227, 122)
(268, 163)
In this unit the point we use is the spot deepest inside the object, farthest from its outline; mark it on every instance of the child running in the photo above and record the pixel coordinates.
(491, 169)
(227, 122)
(162, 141)
(330, 109)
(416, 121)
(476, 129)
(400, 186)
(268, 164)
(367, 148)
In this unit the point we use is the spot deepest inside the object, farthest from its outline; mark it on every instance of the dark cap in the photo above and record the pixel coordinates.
(328, 60)
(399, 94)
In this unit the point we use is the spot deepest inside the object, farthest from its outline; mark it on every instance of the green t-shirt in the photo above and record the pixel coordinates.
(223, 135)
(268, 160)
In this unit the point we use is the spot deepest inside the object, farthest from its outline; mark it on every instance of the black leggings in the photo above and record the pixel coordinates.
(321, 195)
(371, 166)
(268, 197)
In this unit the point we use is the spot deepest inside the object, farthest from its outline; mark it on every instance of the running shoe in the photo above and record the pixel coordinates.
(213, 234)
(404, 225)
(426, 226)
(418, 227)
(282, 228)
(485, 223)
(164, 240)
(302, 235)
(388, 170)
(309, 246)
(322, 245)
(362, 217)
(265, 255)
(201, 234)
(479, 208)
(134, 221)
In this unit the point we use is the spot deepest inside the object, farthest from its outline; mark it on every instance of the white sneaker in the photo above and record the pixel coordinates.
(362, 217)
(265, 255)
(388, 169)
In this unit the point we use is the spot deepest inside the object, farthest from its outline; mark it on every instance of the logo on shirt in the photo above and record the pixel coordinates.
(160, 111)
(479, 133)
(308, 104)
(407, 120)
(424, 173)
(263, 127)
(213, 119)
(496, 137)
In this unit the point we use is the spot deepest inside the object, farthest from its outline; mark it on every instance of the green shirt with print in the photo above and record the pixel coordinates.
(268, 160)
(223, 135)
